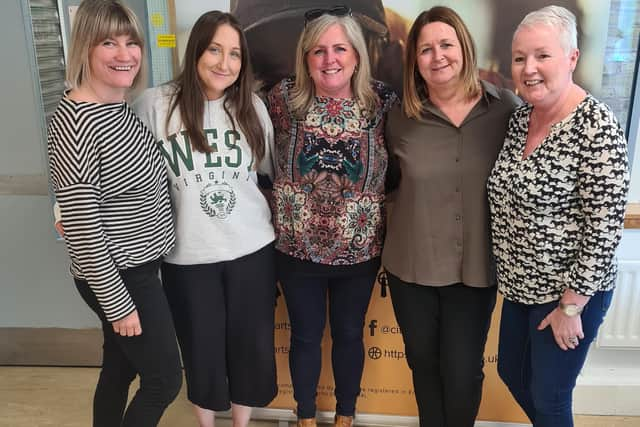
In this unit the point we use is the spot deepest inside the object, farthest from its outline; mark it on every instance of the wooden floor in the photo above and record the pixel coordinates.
(61, 397)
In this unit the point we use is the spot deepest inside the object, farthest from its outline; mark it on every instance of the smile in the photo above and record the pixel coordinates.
(122, 67)
(332, 71)
(532, 82)
(219, 74)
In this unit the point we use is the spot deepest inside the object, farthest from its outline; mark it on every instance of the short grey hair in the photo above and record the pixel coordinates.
(556, 17)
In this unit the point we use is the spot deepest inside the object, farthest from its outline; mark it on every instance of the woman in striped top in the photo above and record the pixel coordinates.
(111, 187)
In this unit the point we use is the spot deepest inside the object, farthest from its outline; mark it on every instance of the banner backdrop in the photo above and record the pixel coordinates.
(386, 383)
(272, 28)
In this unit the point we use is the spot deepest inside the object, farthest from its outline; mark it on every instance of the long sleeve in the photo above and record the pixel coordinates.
(603, 182)
(266, 166)
(110, 183)
(75, 176)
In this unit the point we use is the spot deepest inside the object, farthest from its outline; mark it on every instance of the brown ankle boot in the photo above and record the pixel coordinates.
(343, 421)
(306, 422)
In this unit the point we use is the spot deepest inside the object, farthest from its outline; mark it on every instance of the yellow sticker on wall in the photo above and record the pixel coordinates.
(166, 40)
(157, 20)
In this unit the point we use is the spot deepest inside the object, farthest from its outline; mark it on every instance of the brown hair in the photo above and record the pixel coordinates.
(189, 94)
(414, 87)
(95, 21)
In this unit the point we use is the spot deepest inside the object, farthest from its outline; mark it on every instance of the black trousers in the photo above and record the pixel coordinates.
(444, 331)
(224, 317)
(153, 355)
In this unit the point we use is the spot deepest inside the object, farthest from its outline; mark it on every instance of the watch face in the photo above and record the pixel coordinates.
(570, 309)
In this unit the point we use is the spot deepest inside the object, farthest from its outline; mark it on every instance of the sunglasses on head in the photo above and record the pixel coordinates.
(312, 14)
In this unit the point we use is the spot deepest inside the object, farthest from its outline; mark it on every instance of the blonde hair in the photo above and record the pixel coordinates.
(95, 21)
(304, 89)
(414, 87)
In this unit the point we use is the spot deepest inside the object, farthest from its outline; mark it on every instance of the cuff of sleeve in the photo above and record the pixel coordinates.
(581, 289)
(121, 314)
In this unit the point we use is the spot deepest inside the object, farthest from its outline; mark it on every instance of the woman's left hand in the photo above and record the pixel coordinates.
(567, 331)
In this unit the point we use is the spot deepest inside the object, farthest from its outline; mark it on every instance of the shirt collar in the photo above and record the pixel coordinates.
(489, 93)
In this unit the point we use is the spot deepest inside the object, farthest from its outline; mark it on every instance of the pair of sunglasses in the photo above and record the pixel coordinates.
(313, 14)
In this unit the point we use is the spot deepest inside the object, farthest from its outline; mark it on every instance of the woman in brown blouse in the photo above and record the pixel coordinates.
(437, 254)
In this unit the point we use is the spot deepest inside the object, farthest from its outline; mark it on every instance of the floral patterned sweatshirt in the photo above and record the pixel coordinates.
(328, 194)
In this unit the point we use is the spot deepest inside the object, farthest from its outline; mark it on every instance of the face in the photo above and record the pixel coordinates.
(332, 62)
(114, 64)
(540, 68)
(219, 65)
(439, 55)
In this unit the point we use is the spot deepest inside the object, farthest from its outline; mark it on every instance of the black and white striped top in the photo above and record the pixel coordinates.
(110, 182)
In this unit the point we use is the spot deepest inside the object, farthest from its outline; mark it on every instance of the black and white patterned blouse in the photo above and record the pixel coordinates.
(558, 214)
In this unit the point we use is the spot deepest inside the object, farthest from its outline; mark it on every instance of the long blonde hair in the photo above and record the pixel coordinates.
(304, 90)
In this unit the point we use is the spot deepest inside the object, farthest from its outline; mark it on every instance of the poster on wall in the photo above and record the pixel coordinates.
(272, 28)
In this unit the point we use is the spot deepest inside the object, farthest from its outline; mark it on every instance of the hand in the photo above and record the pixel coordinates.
(563, 328)
(59, 228)
(128, 326)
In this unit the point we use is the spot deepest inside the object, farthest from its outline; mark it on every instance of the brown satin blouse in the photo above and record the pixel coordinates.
(438, 232)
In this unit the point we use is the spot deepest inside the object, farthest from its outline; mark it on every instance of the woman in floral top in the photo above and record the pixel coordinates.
(328, 199)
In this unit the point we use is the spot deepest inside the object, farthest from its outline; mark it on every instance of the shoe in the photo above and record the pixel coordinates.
(342, 421)
(306, 422)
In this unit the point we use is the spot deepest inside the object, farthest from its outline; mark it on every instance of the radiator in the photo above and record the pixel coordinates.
(621, 327)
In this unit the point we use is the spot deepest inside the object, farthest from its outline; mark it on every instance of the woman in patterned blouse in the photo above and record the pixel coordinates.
(328, 201)
(557, 194)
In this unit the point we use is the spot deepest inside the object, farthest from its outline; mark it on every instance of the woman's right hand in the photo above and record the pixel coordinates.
(128, 326)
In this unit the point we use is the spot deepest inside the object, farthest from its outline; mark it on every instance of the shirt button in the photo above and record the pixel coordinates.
(458, 217)
(457, 159)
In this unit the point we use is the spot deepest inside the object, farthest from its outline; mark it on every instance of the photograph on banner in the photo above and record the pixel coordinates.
(272, 28)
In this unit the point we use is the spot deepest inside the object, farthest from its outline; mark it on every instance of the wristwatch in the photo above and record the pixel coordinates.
(570, 310)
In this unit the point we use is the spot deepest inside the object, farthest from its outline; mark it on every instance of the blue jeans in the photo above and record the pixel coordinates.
(540, 375)
(306, 298)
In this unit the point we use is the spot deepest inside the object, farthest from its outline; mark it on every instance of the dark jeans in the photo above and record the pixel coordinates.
(153, 355)
(540, 375)
(306, 298)
(444, 331)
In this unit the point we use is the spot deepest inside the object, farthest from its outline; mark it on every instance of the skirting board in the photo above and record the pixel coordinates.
(285, 416)
(82, 347)
(50, 347)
